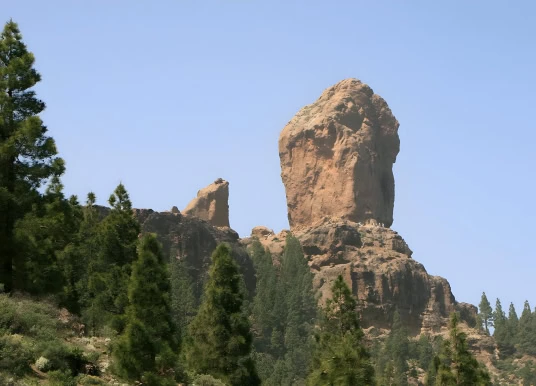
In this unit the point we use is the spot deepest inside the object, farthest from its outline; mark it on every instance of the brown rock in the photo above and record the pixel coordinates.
(211, 204)
(337, 156)
(261, 231)
(376, 263)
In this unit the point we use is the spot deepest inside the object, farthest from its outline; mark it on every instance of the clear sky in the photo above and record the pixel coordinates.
(167, 96)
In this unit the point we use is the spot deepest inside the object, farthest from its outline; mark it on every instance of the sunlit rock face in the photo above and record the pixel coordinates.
(337, 158)
(211, 204)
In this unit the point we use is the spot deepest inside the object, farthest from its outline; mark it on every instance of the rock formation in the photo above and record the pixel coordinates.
(192, 240)
(211, 204)
(337, 156)
(376, 263)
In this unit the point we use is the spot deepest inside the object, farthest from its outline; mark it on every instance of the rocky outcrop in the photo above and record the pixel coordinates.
(337, 156)
(376, 263)
(211, 204)
(193, 240)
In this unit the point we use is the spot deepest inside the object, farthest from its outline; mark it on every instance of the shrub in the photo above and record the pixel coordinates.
(15, 355)
(88, 380)
(61, 378)
(63, 357)
(207, 380)
(42, 364)
(30, 318)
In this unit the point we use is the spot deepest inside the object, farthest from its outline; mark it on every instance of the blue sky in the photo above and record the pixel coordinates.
(167, 96)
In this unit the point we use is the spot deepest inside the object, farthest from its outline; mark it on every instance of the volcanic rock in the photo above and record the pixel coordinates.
(211, 204)
(337, 157)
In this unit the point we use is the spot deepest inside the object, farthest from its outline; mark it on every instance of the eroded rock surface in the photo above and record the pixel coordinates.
(211, 204)
(193, 240)
(376, 263)
(337, 157)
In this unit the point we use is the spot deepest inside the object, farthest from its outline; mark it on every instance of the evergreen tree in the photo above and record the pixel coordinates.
(502, 335)
(264, 318)
(219, 342)
(27, 155)
(149, 343)
(528, 374)
(425, 351)
(455, 365)
(292, 312)
(340, 358)
(526, 334)
(183, 302)
(485, 313)
(110, 271)
(78, 256)
(43, 235)
(392, 366)
(512, 323)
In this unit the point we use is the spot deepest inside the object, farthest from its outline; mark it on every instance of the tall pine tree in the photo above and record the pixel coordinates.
(110, 271)
(27, 155)
(44, 236)
(485, 313)
(455, 365)
(148, 347)
(526, 334)
(219, 342)
(393, 367)
(502, 334)
(340, 358)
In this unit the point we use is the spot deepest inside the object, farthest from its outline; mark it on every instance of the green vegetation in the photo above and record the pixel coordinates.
(340, 358)
(486, 313)
(455, 365)
(31, 333)
(219, 343)
(149, 344)
(283, 313)
(28, 157)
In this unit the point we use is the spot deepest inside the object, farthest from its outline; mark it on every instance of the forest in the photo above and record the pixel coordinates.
(73, 277)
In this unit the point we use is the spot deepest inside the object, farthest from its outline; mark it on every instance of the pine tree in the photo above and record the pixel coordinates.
(502, 335)
(293, 313)
(110, 271)
(219, 342)
(27, 155)
(78, 256)
(425, 351)
(183, 302)
(485, 313)
(43, 235)
(392, 365)
(526, 334)
(149, 344)
(512, 324)
(340, 358)
(455, 365)
(264, 318)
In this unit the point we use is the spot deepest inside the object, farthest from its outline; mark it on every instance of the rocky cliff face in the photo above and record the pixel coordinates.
(211, 204)
(337, 157)
(377, 264)
(193, 240)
